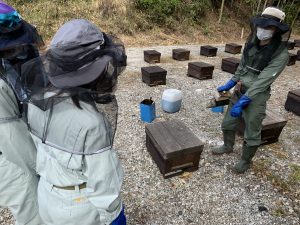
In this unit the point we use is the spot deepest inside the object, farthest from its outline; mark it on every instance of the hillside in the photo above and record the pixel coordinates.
(154, 22)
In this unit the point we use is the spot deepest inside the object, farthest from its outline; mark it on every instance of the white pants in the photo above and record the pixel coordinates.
(18, 192)
(67, 207)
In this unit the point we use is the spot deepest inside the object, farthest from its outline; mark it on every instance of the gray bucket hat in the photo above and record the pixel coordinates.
(74, 58)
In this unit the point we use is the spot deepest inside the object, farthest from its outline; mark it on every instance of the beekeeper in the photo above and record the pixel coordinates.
(81, 175)
(18, 186)
(264, 58)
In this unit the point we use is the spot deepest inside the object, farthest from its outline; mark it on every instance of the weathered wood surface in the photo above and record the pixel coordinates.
(230, 64)
(180, 54)
(152, 56)
(272, 126)
(233, 48)
(291, 45)
(208, 50)
(200, 70)
(292, 59)
(173, 147)
(293, 102)
(154, 75)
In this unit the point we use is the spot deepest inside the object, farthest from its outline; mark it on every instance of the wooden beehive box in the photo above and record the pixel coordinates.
(293, 102)
(200, 70)
(233, 48)
(272, 126)
(173, 147)
(180, 54)
(230, 64)
(297, 42)
(152, 56)
(154, 75)
(208, 50)
(292, 59)
(298, 55)
(291, 45)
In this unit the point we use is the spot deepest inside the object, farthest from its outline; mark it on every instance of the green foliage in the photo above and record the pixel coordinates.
(206, 30)
(279, 212)
(291, 11)
(194, 10)
(295, 176)
(158, 10)
(164, 11)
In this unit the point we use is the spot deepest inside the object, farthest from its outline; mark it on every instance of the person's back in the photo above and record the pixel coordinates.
(61, 163)
(18, 186)
(81, 175)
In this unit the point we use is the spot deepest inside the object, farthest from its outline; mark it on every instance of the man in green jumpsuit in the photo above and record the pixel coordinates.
(264, 58)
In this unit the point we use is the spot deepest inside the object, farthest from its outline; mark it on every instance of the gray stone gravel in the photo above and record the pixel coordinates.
(213, 195)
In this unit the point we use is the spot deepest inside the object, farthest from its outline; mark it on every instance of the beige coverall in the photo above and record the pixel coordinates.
(76, 154)
(18, 186)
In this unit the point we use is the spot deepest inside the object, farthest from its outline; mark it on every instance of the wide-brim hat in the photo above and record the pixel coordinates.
(79, 77)
(73, 58)
(271, 16)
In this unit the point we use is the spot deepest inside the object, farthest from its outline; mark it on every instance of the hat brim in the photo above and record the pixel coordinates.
(82, 76)
(265, 22)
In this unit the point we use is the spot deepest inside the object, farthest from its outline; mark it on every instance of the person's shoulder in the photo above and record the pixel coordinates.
(3, 85)
(87, 116)
(283, 54)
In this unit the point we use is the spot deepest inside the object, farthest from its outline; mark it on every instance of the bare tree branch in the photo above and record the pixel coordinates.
(258, 6)
(221, 11)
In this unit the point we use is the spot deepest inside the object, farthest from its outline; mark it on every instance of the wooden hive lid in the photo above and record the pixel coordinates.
(173, 138)
(231, 59)
(295, 92)
(153, 69)
(179, 50)
(200, 64)
(152, 52)
(273, 118)
(234, 44)
(209, 47)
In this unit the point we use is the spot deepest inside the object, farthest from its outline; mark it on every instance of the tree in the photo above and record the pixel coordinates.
(258, 6)
(265, 5)
(221, 10)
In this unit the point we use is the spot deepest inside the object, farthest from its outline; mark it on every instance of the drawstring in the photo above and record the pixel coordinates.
(48, 120)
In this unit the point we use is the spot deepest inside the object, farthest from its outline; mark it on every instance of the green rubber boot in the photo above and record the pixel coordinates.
(227, 147)
(244, 164)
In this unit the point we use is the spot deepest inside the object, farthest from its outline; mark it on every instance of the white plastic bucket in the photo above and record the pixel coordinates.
(171, 100)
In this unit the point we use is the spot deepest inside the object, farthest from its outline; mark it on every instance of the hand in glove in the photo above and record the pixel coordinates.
(236, 110)
(230, 84)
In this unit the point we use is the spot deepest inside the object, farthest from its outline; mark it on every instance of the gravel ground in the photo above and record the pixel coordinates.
(212, 195)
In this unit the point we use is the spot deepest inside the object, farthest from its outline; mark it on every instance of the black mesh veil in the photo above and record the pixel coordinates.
(18, 44)
(115, 48)
(99, 93)
(277, 44)
(36, 72)
(18, 40)
(280, 37)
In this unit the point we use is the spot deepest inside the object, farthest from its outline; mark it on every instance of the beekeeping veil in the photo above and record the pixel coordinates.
(19, 42)
(274, 17)
(82, 63)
